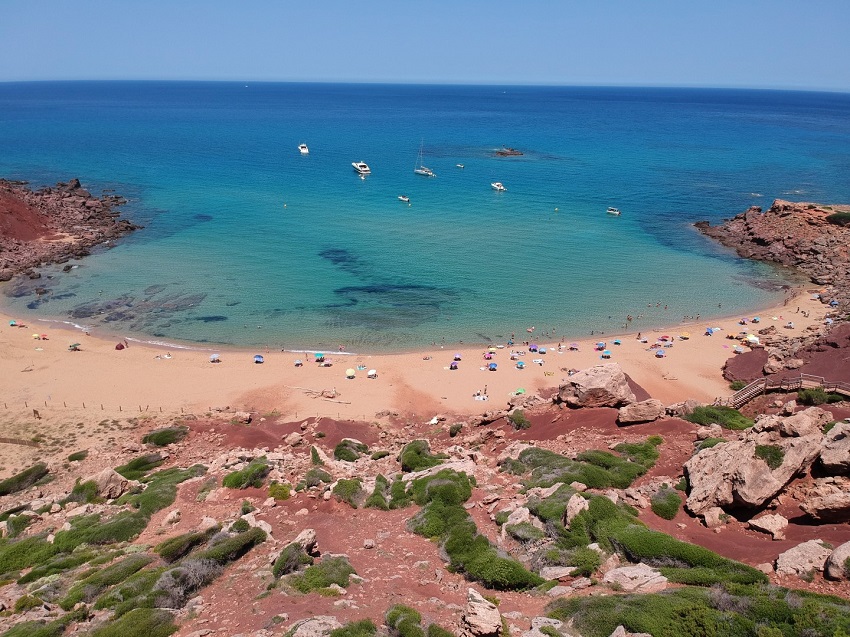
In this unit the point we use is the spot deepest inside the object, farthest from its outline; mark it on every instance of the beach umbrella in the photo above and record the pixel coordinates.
(453, 365)
(491, 349)
(258, 359)
(542, 350)
(601, 345)
(12, 323)
(519, 390)
(457, 356)
(685, 336)
(606, 353)
(617, 341)
(492, 367)
(520, 365)
(215, 358)
(319, 355)
(574, 346)
(372, 373)
(666, 338)
(349, 373)
(659, 353)
(298, 362)
(74, 345)
(752, 338)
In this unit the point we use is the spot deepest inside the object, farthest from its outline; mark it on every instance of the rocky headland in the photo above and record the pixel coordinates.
(54, 225)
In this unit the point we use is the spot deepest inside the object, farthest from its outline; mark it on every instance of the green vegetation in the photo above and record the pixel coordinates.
(138, 467)
(524, 532)
(726, 417)
(817, 396)
(597, 469)
(378, 498)
(399, 496)
(455, 429)
(232, 548)
(349, 450)
(27, 602)
(314, 478)
(165, 436)
(279, 490)
(737, 385)
(240, 526)
(15, 524)
(83, 492)
(177, 547)
(682, 485)
(378, 455)
(444, 518)
(141, 622)
(771, 454)
(331, 570)
(727, 610)
(665, 503)
(57, 564)
(839, 218)
(416, 455)
(349, 491)
(434, 630)
(89, 588)
(315, 458)
(291, 559)
(519, 420)
(404, 621)
(42, 628)
(362, 628)
(251, 476)
(24, 479)
(708, 443)
(78, 456)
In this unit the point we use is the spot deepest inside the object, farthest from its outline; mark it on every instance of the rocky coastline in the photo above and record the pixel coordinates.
(54, 225)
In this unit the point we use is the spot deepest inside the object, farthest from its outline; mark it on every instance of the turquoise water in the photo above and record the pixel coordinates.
(248, 242)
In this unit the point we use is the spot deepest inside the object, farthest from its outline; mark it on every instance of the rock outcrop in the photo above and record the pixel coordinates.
(643, 411)
(773, 524)
(481, 618)
(837, 565)
(803, 559)
(639, 578)
(599, 386)
(835, 455)
(736, 474)
(110, 483)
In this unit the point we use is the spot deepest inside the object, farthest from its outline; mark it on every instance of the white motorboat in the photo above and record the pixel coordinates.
(303, 148)
(497, 185)
(459, 165)
(613, 211)
(361, 167)
(404, 198)
(420, 168)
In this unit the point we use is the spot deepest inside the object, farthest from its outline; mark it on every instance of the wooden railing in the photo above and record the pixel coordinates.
(764, 385)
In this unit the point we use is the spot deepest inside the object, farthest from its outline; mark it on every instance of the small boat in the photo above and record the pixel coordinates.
(303, 148)
(497, 185)
(404, 198)
(361, 167)
(459, 165)
(420, 168)
(613, 211)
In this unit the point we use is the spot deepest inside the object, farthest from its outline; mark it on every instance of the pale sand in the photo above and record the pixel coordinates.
(116, 384)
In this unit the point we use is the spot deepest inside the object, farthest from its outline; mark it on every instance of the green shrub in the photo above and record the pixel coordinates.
(57, 564)
(232, 548)
(438, 631)
(454, 430)
(27, 602)
(378, 455)
(771, 454)
(349, 450)
(416, 455)
(839, 218)
(15, 524)
(404, 621)
(708, 443)
(400, 496)
(141, 622)
(378, 498)
(737, 385)
(315, 458)
(331, 570)
(362, 628)
(240, 526)
(138, 467)
(89, 588)
(42, 628)
(247, 507)
(828, 426)
(316, 476)
(83, 493)
(177, 547)
(165, 436)
(518, 419)
(817, 396)
(77, 456)
(291, 559)
(133, 592)
(502, 517)
(24, 479)
(20, 554)
(524, 532)
(251, 476)
(726, 417)
(279, 490)
(349, 491)
(665, 503)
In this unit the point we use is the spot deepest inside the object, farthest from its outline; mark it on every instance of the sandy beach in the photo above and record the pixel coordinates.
(45, 375)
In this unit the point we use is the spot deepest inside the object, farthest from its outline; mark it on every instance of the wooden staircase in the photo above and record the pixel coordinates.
(764, 385)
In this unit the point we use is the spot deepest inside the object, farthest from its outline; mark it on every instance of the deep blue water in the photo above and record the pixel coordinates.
(248, 242)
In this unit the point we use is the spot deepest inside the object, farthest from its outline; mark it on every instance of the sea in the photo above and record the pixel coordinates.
(249, 243)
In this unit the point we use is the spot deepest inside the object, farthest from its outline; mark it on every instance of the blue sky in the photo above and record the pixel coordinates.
(744, 43)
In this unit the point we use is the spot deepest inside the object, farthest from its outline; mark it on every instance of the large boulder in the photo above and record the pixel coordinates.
(575, 505)
(772, 523)
(644, 411)
(599, 386)
(803, 559)
(639, 578)
(481, 617)
(734, 474)
(833, 507)
(317, 626)
(110, 483)
(837, 565)
(835, 454)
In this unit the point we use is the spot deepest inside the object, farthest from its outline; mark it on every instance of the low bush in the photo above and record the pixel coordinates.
(434, 630)
(239, 526)
(27, 602)
(176, 585)
(15, 524)
(378, 497)
(291, 559)
(315, 458)
(134, 592)
(400, 496)
(251, 476)
(24, 479)
(362, 628)
(682, 485)
(455, 429)
(314, 477)
(737, 385)
(57, 564)
(519, 420)
(165, 436)
(524, 532)
(665, 503)
(349, 450)
(771, 454)
(141, 622)
(77, 456)
(404, 621)
(708, 443)
(349, 491)
(839, 218)
(331, 570)
(232, 548)
(43, 628)
(83, 493)
(379, 455)
(161, 489)
(416, 455)
(817, 396)
(177, 547)
(279, 490)
(138, 467)
(726, 417)
(86, 590)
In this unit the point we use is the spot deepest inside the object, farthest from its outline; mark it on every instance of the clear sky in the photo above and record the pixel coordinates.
(800, 44)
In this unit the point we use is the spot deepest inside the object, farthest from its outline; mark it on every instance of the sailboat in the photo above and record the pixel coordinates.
(420, 168)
